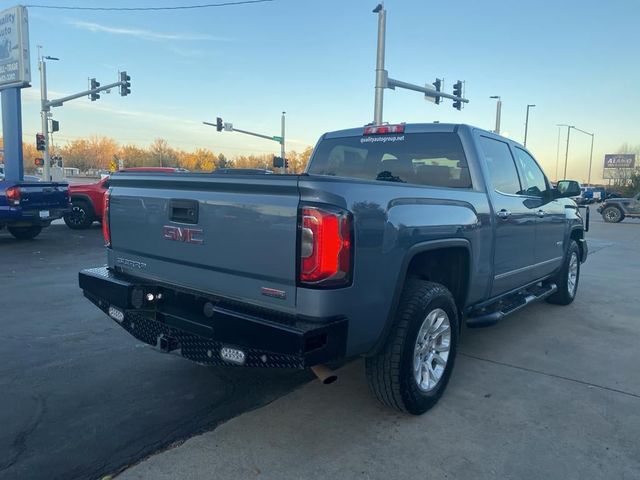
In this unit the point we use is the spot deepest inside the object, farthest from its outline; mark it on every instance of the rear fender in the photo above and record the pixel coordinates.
(402, 278)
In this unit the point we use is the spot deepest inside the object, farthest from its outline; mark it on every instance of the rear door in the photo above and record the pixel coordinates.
(515, 222)
(550, 215)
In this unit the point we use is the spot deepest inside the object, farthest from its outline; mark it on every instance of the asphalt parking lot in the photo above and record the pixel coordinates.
(551, 392)
(80, 398)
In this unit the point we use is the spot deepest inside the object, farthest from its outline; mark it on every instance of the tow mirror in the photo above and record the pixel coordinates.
(568, 188)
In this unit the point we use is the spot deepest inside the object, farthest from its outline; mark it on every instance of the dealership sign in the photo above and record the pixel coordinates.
(620, 160)
(15, 67)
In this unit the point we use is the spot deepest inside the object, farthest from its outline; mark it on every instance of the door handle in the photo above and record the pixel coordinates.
(503, 214)
(540, 213)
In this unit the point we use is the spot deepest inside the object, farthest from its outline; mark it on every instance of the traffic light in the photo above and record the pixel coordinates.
(38, 162)
(219, 125)
(125, 87)
(286, 163)
(457, 91)
(94, 84)
(438, 85)
(40, 142)
(55, 126)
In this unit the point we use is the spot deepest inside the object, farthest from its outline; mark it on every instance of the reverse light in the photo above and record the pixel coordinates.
(383, 129)
(14, 195)
(325, 247)
(106, 228)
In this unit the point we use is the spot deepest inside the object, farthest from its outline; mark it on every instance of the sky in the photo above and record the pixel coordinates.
(576, 60)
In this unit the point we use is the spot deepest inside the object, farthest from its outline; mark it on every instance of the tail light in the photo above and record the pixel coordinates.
(325, 247)
(383, 129)
(14, 195)
(106, 228)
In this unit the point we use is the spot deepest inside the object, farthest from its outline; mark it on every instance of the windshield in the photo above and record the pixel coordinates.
(433, 159)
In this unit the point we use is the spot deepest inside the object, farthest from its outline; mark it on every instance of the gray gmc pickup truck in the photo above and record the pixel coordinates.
(394, 236)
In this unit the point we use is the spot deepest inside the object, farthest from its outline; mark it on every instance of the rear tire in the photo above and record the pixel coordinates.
(25, 233)
(612, 215)
(411, 373)
(81, 216)
(568, 278)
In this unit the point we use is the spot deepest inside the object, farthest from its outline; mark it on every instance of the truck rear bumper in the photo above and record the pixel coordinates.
(18, 217)
(212, 330)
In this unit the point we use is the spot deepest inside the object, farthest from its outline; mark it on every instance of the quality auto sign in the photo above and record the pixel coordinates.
(619, 160)
(15, 67)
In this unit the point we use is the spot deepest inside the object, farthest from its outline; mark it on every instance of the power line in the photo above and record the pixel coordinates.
(150, 9)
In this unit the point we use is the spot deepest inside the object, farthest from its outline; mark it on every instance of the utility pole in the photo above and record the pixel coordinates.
(526, 124)
(498, 112)
(384, 81)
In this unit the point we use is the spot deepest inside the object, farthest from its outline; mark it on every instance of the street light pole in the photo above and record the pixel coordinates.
(498, 112)
(566, 154)
(284, 168)
(590, 160)
(558, 153)
(526, 124)
(44, 117)
(591, 154)
(45, 108)
(380, 71)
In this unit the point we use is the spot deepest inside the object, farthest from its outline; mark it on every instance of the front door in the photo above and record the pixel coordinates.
(515, 223)
(551, 220)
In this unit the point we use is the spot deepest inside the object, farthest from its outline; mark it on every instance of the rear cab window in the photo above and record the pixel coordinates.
(432, 159)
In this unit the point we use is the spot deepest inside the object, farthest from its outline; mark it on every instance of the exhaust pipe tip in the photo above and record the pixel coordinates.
(324, 374)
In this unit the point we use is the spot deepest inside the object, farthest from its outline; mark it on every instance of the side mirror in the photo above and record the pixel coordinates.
(568, 188)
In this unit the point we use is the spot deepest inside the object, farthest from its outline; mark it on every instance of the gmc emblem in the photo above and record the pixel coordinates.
(183, 234)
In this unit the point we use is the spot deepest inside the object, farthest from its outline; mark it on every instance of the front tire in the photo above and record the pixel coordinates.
(568, 277)
(411, 373)
(612, 215)
(81, 216)
(25, 233)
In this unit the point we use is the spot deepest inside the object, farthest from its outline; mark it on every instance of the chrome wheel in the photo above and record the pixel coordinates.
(431, 351)
(572, 277)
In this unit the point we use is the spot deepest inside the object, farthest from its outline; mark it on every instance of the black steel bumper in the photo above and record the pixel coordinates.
(201, 326)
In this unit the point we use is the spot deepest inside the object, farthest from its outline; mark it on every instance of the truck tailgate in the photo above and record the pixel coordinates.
(233, 236)
(43, 195)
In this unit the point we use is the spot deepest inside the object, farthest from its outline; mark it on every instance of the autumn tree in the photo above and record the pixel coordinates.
(298, 161)
(29, 155)
(162, 155)
(94, 152)
(134, 156)
(222, 162)
(97, 153)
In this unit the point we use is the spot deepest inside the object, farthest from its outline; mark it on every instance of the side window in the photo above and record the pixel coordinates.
(533, 181)
(504, 176)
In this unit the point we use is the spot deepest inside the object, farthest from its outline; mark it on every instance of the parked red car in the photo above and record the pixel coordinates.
(87, 198)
